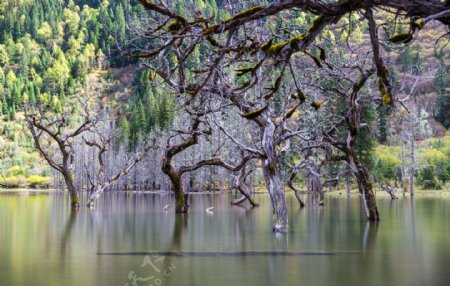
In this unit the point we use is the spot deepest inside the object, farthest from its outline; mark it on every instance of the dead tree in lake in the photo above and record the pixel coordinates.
(181, 140)
(54, 139)
(391, 191)
(351, 122)
(244, 45)
(102, 143)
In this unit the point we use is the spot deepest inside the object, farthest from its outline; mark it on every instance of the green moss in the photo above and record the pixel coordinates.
(174, 27)
(268, 95)
(243, 71)
(191, 91)
(316, 61)
(273, 49)
(290, 112)
(401, 38)
(299, 95)
(213, 41)
(267, 45)
(149, 5)
(338, 157)
(384, 94)
(153, 7)
(256, 113)
(316, 105)
(322, 55)
(245, 13)
(293, 43)
(151, 75)
(211, 29)
(276, 86)
(143, 55)
(316, 23)
(418, 23)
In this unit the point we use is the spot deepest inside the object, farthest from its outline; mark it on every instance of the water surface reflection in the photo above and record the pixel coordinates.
(44, 242)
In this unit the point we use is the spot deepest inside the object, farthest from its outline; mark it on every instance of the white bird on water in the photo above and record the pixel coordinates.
(210, 210)
(166, 207)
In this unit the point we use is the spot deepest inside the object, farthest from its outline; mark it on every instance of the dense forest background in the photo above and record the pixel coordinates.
(53, 52)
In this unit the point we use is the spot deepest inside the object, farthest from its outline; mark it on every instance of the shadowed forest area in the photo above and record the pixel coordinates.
(283, 110)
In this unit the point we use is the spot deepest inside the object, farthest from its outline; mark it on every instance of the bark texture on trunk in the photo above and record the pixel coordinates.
(365, 184)
(412, 168)
(353, 122)
(181, 205)
(366, 189)
(391, 192)
(295, 189)
(272, 178)
(105, 184)
(95, 195)
(278, 199)
(317, 190)
(242, 188)
(73, 193)
(347, 185)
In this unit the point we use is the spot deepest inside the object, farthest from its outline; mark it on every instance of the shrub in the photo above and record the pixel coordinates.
(15, 171)
(432, 156)
(444, 175)
(10, 182)
(387, 163)
(427, 178)
(35, 181)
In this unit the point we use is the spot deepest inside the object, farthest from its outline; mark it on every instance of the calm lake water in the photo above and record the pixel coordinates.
(127, 238)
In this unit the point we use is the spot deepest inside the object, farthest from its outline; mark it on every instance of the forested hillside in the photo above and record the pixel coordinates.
(47, 50)
(54, 53)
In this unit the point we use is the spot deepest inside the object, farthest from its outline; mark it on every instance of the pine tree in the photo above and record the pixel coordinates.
(383, 124)
(365, 143)
(4, 59)
(442, 87)
(124, 131)
(142, 118)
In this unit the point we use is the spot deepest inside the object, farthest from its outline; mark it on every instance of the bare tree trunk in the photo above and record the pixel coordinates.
(238, 201)
(317, 190)
(73, 193)
(296, 191)
(347, 184)
(242, 188)
(390, 191)
(252, 180)
(272, 178)
(95, 195)
(308, 184)
(403, 161)
(412, 169)
(361, 172)
(278, 198)
(338, 184)
(181, 205)
(366, 189)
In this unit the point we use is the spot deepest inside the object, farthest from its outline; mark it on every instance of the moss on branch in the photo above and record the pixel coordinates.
(256, 113)
(245, 13)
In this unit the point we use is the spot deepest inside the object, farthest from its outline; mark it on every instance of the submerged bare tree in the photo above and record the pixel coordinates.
(55, 135)
(342, 128)
(182, 139)
(101, 141)
(249, 62)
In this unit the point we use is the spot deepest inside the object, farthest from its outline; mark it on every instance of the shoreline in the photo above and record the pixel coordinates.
(418, 192)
